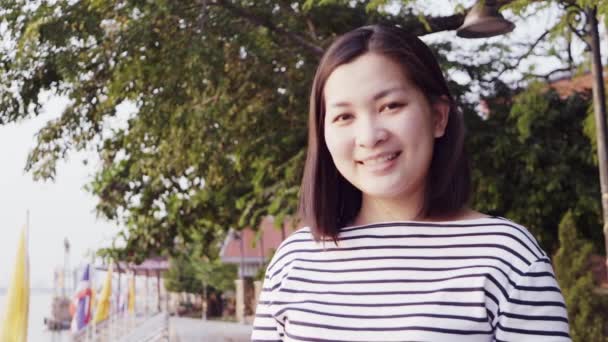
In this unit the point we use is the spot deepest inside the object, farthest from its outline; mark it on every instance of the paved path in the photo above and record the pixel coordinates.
(183, 329)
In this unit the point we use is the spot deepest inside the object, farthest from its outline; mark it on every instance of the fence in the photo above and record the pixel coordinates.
(124, 327)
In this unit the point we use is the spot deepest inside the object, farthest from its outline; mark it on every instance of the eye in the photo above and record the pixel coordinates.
(391, 106)
(343, 117)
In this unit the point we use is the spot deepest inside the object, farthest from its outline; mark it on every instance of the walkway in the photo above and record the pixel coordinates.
(183, 329)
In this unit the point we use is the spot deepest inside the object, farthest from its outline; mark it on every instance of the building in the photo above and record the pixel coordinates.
(250, 249)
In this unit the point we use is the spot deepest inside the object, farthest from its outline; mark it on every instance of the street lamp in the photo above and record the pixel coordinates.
(583, 23)
(484, 20)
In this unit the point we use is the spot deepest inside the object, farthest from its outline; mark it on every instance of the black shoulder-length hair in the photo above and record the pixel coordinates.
(328, 201)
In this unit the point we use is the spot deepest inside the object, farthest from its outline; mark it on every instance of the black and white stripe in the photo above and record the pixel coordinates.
(472, 280)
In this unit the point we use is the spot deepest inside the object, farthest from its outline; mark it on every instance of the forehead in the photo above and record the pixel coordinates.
(364, 77)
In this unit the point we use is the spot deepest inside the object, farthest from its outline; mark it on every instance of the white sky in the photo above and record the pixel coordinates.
(64, 209)
(57, 210)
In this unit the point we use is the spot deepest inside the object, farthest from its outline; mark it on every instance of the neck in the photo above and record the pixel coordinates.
(375, 209)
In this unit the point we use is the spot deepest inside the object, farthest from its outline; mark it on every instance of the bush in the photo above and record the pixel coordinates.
(586, 310)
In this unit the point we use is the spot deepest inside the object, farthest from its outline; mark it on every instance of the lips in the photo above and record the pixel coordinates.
(379, 158)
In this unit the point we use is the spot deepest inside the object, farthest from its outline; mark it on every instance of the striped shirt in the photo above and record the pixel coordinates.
(482, 279)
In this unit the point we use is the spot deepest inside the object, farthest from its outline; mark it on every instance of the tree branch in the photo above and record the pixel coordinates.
(520, 58)
(437, 24)
(315, 49)
(447, 23)
(548, 75)
(416, 27)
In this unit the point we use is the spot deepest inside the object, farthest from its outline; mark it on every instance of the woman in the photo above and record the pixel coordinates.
(391, 251)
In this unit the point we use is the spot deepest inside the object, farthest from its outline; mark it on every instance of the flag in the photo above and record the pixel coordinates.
(82, 301)
(103, 302)
(14, 327)
(131, 301)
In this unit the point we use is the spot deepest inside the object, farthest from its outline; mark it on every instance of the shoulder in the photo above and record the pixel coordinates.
(498, 236)
(295, 240)
(518, 239)
(298, 241)
(510, 244)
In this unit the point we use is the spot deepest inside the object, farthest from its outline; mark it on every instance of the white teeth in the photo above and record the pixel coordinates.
(380, 159)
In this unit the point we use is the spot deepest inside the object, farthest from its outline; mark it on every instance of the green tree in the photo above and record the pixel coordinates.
(586, 311)
(182, 276)
(217, 135)
(190, 274)
(210, 270)
(199, 262)
(219, 88)
(216, 274)
(533, 161)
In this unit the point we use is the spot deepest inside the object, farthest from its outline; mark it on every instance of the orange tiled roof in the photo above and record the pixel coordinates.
(578, 84)
(270, 239)
(565, 86)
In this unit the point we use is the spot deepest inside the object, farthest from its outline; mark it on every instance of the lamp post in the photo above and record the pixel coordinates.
(484, 20)
(582, 21)
(590, 35)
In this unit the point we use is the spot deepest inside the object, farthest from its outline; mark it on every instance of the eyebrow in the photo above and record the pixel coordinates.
(376, 97)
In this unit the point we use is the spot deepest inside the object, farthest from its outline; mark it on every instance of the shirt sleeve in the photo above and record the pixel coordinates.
(266, 328)
(534, 309)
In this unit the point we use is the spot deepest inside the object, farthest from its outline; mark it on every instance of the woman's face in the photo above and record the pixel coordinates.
(380, 128)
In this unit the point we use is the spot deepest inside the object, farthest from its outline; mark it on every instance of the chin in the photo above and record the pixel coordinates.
(384, 192)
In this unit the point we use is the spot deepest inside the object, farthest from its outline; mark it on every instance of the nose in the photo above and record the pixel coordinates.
(370, 133)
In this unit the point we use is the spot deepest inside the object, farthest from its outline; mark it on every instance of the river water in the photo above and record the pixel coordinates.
(40, 307)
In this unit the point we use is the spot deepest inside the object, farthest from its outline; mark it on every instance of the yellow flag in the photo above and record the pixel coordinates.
(131, 304)
(103, 302)
(14, 327)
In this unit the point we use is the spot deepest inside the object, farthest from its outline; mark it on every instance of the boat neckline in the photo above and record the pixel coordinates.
(431, 223)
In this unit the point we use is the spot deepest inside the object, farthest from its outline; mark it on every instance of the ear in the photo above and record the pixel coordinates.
(441, 115)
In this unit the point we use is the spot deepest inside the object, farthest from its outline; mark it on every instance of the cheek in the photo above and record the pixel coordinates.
(417, 127)
(337, 143)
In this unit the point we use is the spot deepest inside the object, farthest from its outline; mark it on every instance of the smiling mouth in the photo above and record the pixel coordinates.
(380, 159)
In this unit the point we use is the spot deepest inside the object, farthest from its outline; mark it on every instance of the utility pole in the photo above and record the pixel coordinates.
(66, 266)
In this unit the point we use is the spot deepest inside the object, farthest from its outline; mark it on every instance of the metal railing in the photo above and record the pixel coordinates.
(155, 328)
(127, 327)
